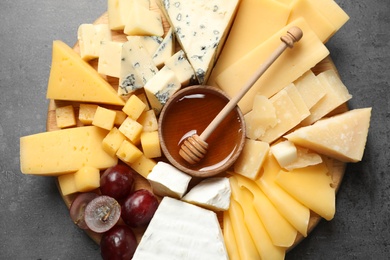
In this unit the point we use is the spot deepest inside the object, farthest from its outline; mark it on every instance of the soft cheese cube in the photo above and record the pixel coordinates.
(165, 50)
(148, 120)
(160, 88)
(166, 180)
(104, 118)
(113, 141)
(134, 107)
(131, 129)
(180, 65)
(212, 193)
(110, 58)
(90, 36)
(285, 153)
(151, 144)
(87, 113)
(65, 116)
(67, 184)
(128, 152)
(142, 21)
(87, 179)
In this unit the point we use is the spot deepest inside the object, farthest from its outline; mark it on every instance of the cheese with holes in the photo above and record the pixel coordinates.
(71, 78)
(313, 187)
(148, 120)
(342, 137)
(201, 28)
(104, 118)
(179, 230)
(64, 151)
(291, 64)
(128, 152)
(131, 129)
(87, 113)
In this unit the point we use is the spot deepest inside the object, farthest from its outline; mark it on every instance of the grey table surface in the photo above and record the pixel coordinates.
(34, 221)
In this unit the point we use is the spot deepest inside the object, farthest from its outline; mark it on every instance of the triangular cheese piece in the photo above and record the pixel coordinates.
(201, 28)
(73, 79)
(342, 137)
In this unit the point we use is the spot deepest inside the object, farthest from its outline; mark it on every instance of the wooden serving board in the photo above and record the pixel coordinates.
(337, 168)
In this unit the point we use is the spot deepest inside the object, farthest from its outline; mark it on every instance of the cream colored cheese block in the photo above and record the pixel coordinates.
(342, 137)
(180, 65)
(298, 101)
(310, 88)
(283, 234)
(142, 21)
(64, 151)
(259, 235)
(291, 64)
(244, 36)
(114, 17)
(313, 187)
(151, 43)
(71, 78)
(305, 158)
(110, 58)
(165, 50)
(90, 37)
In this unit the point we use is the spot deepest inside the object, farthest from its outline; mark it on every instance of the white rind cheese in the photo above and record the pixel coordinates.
(182, 231)
(201, 28)
(211, 193)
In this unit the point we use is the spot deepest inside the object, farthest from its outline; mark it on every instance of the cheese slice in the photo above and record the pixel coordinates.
(229, 237)
(310, 88)
(332, 12)
(313, 187)
(342, 137)
(291, 64)
(179, 230)
(73, 79)
(201, 28)
(64, 151)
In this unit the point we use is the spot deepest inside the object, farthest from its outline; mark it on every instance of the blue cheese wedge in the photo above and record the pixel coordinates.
(182, 231)
(165, 50)
(137, 67)
(166, 180)
(201, 27)
(212, 193)
(151, 43)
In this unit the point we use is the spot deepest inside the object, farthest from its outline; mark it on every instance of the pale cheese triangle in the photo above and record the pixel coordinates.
(342, 137)
(73, 79)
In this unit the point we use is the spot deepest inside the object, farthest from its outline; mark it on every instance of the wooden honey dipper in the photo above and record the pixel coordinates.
(194, 148)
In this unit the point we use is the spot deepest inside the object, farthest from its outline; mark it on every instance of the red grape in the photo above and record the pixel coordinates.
(77, 208)
(118, 243)
(102, 213)
(117, 181)
(139, 208)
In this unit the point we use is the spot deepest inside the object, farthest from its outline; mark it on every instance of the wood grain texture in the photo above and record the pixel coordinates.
(337, 168)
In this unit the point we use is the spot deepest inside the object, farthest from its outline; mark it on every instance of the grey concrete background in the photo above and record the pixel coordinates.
(34, 221)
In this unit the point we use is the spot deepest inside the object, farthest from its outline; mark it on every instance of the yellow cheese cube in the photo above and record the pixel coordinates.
(104, 118)
(251, 158)
(112, 141)
(64, 151)
(144, 99)
(134, 107)
(65, 116)
(120, 117)
(148, 120)
(131, 129)
(90, 36)
(128, 152)
(67, 184)
(87, 179)
(86, 113)
(143, 165)
(151, 144)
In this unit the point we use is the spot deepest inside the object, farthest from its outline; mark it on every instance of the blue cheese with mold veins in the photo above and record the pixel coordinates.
(201, 28)
(183, 70)
(165, 50)
(182, 231)
(137, 67)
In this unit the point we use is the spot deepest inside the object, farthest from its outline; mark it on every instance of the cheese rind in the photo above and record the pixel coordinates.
(71, 78)
(64, 151)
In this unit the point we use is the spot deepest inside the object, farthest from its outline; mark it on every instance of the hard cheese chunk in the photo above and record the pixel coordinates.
(87, 179)
(64, 151)
(142, 21)
(110, 58)
(291, 64)
(73, 79)
(313, 187)
(180, 230)
(310, 88)
(65, 116)
(342, 137)
(166, 180)
(90, 37)
(201, 28)
(284, 152)
(212, 193)
(104, 118)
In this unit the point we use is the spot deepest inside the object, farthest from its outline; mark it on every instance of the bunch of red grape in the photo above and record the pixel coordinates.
(118, 199)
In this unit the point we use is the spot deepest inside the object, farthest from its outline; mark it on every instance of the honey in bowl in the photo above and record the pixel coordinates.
(189, 112)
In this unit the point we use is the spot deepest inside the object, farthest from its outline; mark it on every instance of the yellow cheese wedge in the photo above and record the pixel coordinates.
(64, 151)
(246, 247)
(342, 137)
(73, 79)
(289, 66)
(260, 237)
(281, 232)
(243, 36)
(312, 186)
(229, 237)
(297, 214)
